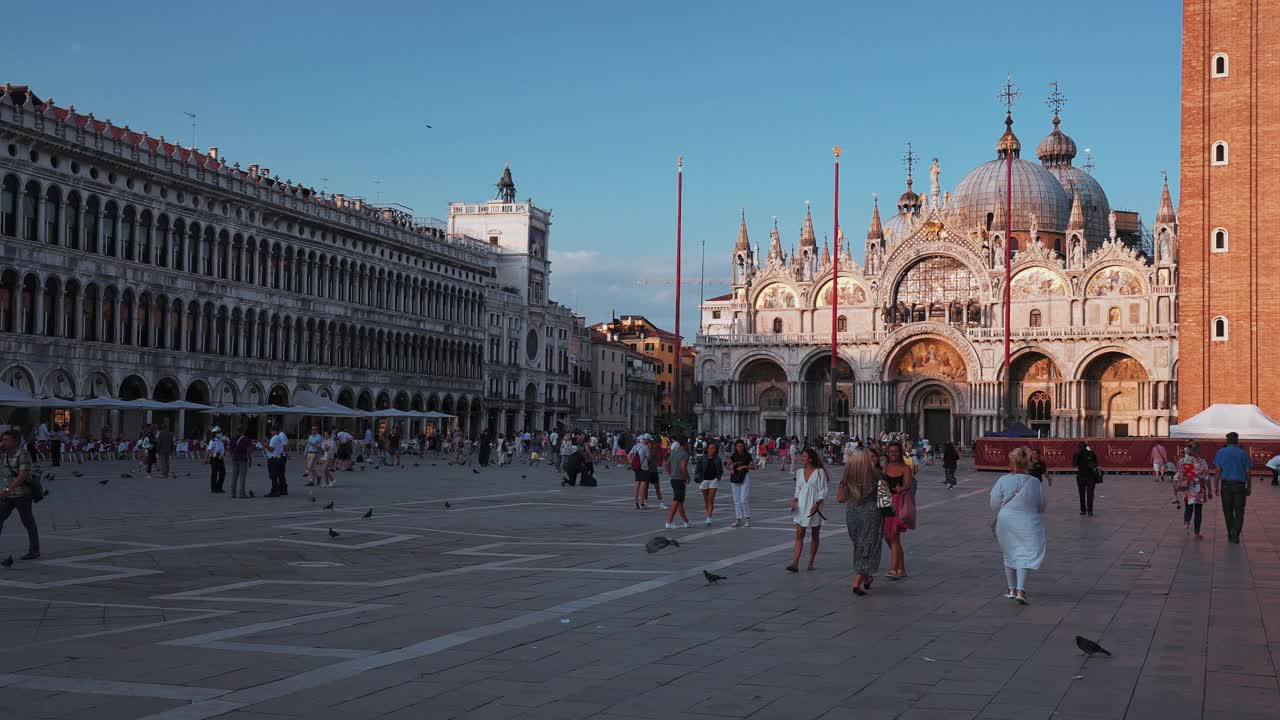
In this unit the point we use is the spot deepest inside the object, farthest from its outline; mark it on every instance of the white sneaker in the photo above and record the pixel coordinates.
(669, 526)
(662, 505)
(684, 525)
(708, 522)
(746, 522)
(737, 523)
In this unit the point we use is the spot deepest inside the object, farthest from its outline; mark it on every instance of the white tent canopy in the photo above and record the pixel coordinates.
(9, 395)
(1219, 419)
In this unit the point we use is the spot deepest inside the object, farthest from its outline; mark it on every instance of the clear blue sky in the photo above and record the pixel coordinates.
(591, 103)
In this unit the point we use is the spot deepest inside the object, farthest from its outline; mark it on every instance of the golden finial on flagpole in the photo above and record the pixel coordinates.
(836, 151)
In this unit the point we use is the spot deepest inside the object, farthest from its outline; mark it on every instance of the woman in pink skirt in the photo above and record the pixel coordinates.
(900, 478)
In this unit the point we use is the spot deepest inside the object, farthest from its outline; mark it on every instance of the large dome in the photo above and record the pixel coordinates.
(1092, 200)
(1035, 190)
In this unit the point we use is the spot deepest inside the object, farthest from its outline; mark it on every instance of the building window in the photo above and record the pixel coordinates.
(1220, 153)
(777, 326)
(1113, 316)
(493, 239)
(1039, 407)
(1220, 328)
(842, 324)
(1220, 240)
(1221, 65)
(1034, 319)
(715, 314)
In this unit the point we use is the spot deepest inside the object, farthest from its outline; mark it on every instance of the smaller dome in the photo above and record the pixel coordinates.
(897, 227)
(1057, 148)
(908, 201)
(1008, 142)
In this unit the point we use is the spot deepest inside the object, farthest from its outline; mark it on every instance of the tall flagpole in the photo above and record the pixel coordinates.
(835, 290)
(1009, 94)
(679, 364)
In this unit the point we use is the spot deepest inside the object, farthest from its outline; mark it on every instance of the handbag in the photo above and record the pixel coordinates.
(1007, 500)
(884, 499)
(907, 513)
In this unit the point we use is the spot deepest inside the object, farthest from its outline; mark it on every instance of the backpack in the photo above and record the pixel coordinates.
(635, 460)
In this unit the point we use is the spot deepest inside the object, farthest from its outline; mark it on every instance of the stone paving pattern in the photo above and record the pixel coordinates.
(156, 599)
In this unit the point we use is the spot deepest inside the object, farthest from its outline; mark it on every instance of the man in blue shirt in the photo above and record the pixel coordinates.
(1231, 467)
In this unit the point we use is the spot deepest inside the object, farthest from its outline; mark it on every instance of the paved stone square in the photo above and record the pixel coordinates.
(521, 599)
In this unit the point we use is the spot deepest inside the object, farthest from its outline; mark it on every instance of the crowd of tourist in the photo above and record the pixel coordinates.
(877, 484)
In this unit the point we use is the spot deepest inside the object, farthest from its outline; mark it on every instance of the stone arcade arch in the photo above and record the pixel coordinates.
(815, 394)
(764, 398)
(1114, 385)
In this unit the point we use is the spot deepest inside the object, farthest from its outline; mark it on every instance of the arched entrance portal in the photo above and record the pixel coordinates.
(1113, 395)
(816, 391)
(764, 400)
(1035, 380)
(933, 408)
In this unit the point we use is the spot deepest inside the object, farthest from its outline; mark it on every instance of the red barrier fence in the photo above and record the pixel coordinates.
(1114, 454)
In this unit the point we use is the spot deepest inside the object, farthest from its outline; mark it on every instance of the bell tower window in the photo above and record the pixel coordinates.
(1221, 66)
(1220, 154)
(1220, 329)
(1220, 240)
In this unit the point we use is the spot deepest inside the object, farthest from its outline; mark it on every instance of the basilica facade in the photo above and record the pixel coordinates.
(920, 323)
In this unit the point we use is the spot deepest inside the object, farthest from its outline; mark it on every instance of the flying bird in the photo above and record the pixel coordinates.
(367, 515)
(333, 533)
(104, 482)
(1090, 647)
(711, 577)
(429, 127)
(329, 506)
(658, 543)
(7, 562)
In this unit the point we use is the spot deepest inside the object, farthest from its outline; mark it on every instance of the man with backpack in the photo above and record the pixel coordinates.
(18, 494)
(644, 465)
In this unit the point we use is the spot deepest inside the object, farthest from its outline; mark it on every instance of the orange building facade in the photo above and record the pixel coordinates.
(1229, 210)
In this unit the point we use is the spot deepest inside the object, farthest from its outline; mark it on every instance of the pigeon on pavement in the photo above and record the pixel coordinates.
(1090, 647)
(251, 494)
(329, 506)
(332, 533)
(312, 498)
(477, 472)
(659, 542)
(447, 505)
(7, 562)
(77, 473)
(367, 515)
(104, 482)
(711, 577)
(125, 475)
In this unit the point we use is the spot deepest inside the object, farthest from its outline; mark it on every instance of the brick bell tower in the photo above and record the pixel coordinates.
(1229, 206)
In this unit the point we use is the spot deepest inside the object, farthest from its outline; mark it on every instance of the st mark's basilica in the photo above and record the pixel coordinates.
(920, 331)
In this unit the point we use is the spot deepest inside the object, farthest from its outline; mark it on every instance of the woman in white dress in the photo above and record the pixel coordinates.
(806, 505)
(1019, 501)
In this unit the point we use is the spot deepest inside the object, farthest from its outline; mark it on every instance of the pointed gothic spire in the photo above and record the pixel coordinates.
(876, 231)
(807, 237)
(742, 245)
(826, 253)
(848, 256)
(1166, 213)
(1077, 213)
(775, 241)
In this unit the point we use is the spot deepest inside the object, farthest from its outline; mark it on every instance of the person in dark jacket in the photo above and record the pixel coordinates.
(950, 460)
(1087, 474)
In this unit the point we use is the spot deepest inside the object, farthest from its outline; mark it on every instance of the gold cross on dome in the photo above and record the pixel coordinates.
(1009, 94)
(1056, 99)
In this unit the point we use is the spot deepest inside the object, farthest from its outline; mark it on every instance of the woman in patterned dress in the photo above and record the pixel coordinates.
(858, 486)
